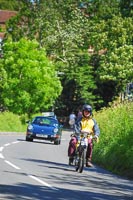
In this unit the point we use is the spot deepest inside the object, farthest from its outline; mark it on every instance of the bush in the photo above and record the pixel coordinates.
(115, 149)
(10, 122)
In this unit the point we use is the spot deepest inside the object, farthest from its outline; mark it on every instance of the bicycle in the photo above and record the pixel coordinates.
(80, 152)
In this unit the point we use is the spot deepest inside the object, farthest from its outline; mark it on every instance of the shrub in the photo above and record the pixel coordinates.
(115, 149)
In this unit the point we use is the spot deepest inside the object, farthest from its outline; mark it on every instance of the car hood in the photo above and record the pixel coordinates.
(43, 129)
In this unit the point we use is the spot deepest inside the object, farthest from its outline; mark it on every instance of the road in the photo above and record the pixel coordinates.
(39, 170)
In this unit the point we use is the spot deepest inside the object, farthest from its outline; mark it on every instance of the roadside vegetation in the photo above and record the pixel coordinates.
(115, 148)
(10, 122)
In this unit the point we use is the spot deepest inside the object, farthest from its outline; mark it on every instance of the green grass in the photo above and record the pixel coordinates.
(115, 148)
(10, 122)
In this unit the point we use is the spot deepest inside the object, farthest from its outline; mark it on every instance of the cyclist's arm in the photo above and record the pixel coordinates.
(77, 127)
(96, 128)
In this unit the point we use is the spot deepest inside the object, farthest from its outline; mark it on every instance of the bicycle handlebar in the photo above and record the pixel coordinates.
(89, 133)
(86, 132)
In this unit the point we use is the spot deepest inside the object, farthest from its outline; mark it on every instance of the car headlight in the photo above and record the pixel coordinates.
(30, 127)
(56, 125)
(55, 130)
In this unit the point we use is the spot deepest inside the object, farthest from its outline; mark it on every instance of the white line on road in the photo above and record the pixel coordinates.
(42, 182)
(1, 148)
(6, 144)
(9, 163)
(1, 156)
(15, 142)
(16, 167)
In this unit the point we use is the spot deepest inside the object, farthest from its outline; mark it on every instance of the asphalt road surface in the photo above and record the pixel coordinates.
(39, 170)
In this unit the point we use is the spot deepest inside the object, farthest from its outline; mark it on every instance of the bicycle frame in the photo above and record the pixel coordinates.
(79, 159)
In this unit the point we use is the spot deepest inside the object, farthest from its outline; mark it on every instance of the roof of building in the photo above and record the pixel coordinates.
(6, 15)
(2, 35)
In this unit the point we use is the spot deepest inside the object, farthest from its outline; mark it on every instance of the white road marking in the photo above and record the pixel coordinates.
(1, 156)
(15, 142)
(9, 163)
(1, 148)
(16, 167)
(6, 144)
(42, 182)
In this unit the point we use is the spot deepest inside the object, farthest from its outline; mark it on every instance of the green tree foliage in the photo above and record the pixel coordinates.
(30, 83)
(67, 29)
(9, 5)
(3, 78)
(63, 36)
(126, 7)
(114, 68)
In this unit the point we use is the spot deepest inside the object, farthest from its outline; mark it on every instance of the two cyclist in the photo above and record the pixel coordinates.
(86, 123)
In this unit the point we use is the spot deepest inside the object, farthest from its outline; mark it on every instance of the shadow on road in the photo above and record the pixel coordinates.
(96, 175)
(91, 186)
(35, 192)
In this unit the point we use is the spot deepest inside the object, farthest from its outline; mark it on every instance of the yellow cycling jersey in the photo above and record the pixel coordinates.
(87, 124)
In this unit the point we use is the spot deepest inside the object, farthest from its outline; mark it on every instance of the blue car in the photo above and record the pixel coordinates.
(44, 127)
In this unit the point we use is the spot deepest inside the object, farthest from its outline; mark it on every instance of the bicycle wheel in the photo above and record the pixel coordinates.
(81, 160)
(77, 167)
(76, 161)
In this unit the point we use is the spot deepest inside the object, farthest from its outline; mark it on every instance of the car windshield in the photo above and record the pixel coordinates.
(44, 121)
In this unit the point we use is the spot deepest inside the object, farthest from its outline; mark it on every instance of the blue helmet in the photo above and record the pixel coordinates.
(87, 108)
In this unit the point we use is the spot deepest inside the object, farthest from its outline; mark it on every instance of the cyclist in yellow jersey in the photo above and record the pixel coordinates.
(86, 123)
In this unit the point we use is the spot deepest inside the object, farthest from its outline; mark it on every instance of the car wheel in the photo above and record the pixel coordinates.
(29, 139)
(57, 142)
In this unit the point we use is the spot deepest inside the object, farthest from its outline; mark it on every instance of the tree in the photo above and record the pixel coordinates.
(9, 5)
(67, 30)
(114, 65)
(126, 8)
(63, 36)
(31, 83)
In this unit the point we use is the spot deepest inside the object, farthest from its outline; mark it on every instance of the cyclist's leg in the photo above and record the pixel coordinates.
(71, 149)
(89, 153)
